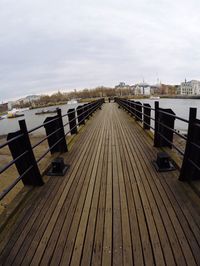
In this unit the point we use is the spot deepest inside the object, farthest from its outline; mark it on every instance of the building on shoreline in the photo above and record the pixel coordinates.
(125, 89)
(3, 107)
(190, 87)
(145, 89)
(142, 89)
(24, 102)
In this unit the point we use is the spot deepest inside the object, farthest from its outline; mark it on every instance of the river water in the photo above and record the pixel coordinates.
(32, 120)
(179, 106)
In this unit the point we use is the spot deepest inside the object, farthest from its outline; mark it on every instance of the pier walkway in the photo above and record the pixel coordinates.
(111, 207)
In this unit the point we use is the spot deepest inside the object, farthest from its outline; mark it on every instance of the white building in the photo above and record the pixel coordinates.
(143, 89)
(190, 87)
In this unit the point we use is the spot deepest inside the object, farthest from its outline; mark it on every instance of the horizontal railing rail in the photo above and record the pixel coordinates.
(22, 150)
(162, 123)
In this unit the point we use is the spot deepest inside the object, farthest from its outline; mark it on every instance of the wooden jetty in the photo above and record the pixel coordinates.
(111, 208)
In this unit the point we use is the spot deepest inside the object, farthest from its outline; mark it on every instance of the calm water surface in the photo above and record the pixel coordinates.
(32, 120)
(179, 106)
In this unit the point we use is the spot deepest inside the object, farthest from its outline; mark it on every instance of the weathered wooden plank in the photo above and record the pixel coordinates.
(92, 221)
(50, 227)
(66, 241)
(140, 212)
(111, 208)
(187, 249)
(69, 207)
(33, 217)
(183, 224)
(126, 230)
(107, 239)
(33, 205)
(39, 226)
(117, 219)
(156, 215)
(98, 240)
(94, 180)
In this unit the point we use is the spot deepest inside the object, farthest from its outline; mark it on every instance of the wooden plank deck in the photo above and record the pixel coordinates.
(111, 208)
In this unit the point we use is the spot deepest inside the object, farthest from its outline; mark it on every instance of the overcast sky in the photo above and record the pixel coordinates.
(46, 44)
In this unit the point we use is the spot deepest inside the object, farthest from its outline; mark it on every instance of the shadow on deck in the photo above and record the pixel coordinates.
(112, 207)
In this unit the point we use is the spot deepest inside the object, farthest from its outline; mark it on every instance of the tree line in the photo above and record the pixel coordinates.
(63, 97)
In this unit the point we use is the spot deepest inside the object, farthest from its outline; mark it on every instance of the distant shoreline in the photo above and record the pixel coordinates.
(181, 97)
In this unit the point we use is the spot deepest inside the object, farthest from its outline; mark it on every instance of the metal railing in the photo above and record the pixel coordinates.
(22, 150)
(162, 124)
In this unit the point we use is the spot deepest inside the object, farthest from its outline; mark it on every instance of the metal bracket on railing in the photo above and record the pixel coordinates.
(58, 167)
(163, 162)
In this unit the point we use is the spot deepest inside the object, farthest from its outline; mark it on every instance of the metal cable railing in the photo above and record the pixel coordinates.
(23, 139)
(164, 131)
(48, 150)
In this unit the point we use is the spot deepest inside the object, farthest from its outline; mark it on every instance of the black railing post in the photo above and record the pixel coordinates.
(59, 135)
(186, 166)
(72, 121)
(99, 104)
(146, 116)
(129, 106)
(96, 105)
(123, 104)
(85, 111)
(136, 112)
(88, 110)
(133, 108)
(80, 115)
(138, 115)
(166, 121)
(91, 108)
(156, 126)
(18, 147)
(33, 177)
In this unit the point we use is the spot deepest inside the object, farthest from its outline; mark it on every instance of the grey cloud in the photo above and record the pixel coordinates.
(51, 44)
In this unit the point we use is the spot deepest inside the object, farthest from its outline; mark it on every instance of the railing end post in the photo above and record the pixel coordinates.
(185, 171)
